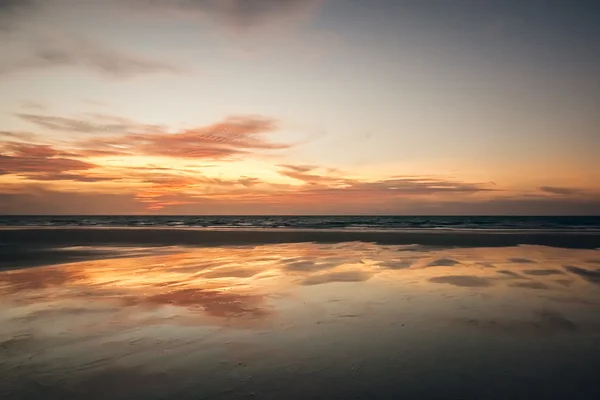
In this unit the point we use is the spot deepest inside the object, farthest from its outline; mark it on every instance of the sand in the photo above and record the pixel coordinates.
(172, 314)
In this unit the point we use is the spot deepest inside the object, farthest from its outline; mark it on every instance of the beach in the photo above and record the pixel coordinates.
(299, 200)
(156, 313)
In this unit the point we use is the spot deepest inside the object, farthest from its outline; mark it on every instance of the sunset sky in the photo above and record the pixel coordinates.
(299, 107)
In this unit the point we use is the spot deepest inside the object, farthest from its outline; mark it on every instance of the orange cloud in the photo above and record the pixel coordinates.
(181, 185)
(562, 191)
(38, 161)
(235, 135)
(307, 174)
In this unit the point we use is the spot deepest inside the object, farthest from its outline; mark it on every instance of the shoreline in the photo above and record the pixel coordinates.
(169, 236)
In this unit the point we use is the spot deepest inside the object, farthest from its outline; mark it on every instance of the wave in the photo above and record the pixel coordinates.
(314, 222)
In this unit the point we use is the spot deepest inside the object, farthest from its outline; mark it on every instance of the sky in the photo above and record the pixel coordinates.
(390, 107)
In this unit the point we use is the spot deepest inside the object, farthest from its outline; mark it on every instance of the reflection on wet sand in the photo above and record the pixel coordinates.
(249, 321)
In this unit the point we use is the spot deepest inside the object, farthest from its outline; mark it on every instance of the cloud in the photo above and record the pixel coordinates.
(55, 50)
(40, 165)
(332, 185)
(9, 10)
(46, 176)
(47, 40)
(563, 191)
(7, 6)
(174, 190)
(41, 162)
(156, 187)
(242, 17)
(94, 124)
(184, 189)
(299, 168)
(32, 105)
(426, 185)
(32, 39)
(199, 196)
(26, 136)
(37, 199)
(302, 173)
(26, 150)
(246, 14)
(233, 136)
(239, 15)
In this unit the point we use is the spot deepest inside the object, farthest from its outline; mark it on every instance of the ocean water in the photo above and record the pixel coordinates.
(563, 223)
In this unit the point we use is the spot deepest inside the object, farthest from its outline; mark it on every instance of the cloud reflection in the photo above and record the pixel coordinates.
(243, 283)
(204, 307)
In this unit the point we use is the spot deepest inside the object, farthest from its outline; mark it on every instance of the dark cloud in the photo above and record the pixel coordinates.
(563, 191)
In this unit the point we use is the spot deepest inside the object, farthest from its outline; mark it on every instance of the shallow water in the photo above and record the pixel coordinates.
(304, 320)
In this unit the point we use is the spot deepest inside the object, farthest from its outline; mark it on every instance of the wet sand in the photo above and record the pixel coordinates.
(83, 236)
(314, 320)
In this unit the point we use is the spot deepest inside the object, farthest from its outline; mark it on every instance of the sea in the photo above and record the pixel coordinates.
(519, 223)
